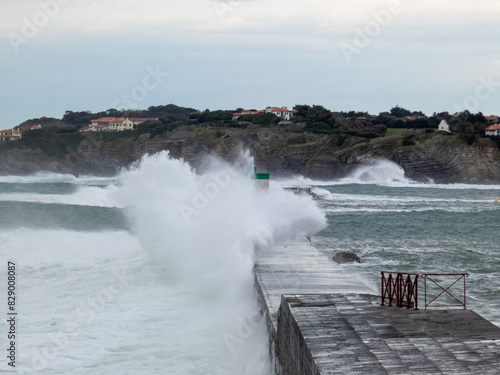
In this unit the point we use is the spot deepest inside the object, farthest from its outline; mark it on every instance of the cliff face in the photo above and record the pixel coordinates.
(446, 159)
(438, 157)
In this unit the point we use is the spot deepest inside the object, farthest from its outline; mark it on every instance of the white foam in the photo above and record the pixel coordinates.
(175, 294)
(83, 196)
(204, 230)
(50, 177)
(382, 172)
(460, 186)
(379, 172)
(374, 172)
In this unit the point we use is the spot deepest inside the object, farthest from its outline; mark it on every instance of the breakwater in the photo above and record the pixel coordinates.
(321, 320)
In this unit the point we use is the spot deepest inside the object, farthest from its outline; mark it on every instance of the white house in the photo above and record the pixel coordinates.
(114, 124)
(120, 124)
(102, 123)
(443, 126)
(493, 130)
(110, 124)
(10, 135)
(283, 112)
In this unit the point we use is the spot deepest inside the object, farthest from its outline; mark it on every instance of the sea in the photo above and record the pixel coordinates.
(150, 271)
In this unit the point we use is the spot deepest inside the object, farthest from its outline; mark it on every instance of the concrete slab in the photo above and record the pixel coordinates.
(344, 332)
(297, 267)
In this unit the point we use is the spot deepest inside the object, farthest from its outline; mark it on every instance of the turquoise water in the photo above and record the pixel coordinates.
(58, 202)
(394, 224)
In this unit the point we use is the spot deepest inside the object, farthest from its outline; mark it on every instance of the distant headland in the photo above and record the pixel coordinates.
(309, 140)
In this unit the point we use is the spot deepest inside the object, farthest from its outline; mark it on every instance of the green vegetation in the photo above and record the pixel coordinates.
(408, 140)
(340, 141)
(52, 141)
(314, 119)
(5, 146)
(319, 127)
(215, 116)
(155, 128)
(395, 131)
(265, 119)
(60, 136)
(81, 119)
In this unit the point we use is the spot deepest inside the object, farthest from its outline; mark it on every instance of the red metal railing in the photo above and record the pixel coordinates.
(459, 276)
(403, 289)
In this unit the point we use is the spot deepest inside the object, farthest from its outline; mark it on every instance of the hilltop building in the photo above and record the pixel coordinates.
(282, 112)
(492, 120)
(443, 126)
(114, 124)
(111, 124)
(10, 135)
(245, 112)
(493, 130)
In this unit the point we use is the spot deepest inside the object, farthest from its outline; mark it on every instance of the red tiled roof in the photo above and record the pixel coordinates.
(493, 127)
(108, 119)
(278, 109)
(103, 119)
(9, 131)
(272, 109)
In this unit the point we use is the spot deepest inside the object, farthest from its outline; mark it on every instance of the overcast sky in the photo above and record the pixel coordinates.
(365, 55)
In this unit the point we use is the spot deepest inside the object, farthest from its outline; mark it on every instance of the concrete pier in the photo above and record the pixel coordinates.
(322, 320)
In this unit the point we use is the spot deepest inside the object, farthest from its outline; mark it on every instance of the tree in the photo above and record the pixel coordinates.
(202, 116)
(399, 112)
(215, 116)
(315, 113)
(354, 114)
(265, 119)
(78, 118)
(466, 128)
(113, 112)
(318, 127)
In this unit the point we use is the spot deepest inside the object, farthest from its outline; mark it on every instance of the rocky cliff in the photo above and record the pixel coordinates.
(424, 156)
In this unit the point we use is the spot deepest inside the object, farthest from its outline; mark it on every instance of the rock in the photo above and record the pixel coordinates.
(346, 257)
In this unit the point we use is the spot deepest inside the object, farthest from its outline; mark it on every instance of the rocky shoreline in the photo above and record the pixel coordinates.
(426, 157)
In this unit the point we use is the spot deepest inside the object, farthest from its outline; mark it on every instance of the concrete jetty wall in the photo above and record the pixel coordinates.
(293, 354)
(296, 267)
(322, 320)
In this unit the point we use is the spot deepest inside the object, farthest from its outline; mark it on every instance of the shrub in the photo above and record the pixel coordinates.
(408, 141)
(265, 119)
(341, 140)
(318, 127)
(51, 142)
